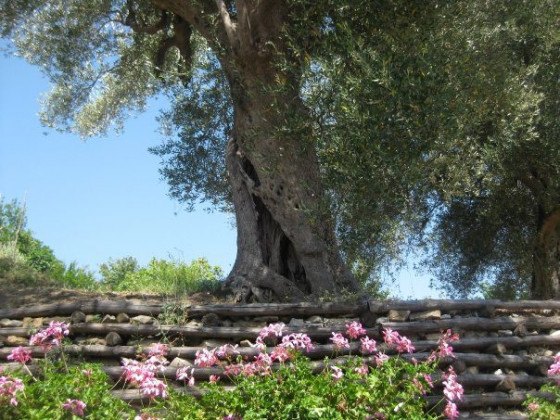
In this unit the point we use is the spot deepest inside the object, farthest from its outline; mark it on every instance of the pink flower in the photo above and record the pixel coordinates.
(533, 406)
(445, 349)
(259, 344)
(429, 380)
(339, 341)
(153, 387)
(20, 355)
(226, 350)
(9, 387)
(362, 370)
(354, 329)
(451, 411)
(272, 330)
(185, 374)
(404, 345)
(156, 363)
(87, 373)
(555, 367)
(452, 389)
(158, 350)
(297, 341)
(234, 369)
(336, 373)
(77, 407)
(390, 336)
(368, 345)
(213, 379)
(280, 354)
(263, 360)
(380, 359)
(50, 336)
(206, 358)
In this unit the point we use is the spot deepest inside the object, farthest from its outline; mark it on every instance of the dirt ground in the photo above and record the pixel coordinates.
(15, 295)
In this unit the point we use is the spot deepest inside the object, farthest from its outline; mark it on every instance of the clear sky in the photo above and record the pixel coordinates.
(104, 198)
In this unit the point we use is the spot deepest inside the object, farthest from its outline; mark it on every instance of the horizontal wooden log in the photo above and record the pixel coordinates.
(90, 307)
(508, 361)
(279, 309)
(485, 342)
(236, 333)
(384, 306)
(476, 324)
(225, 310)
(491, 399)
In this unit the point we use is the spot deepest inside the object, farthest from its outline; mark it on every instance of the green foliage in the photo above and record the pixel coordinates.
(294, 391)
(160, 276)
(544, 409)
(43, 399)
(114, 272)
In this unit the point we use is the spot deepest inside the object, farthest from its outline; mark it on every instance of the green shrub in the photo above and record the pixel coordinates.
(161, 276)
(114, 272)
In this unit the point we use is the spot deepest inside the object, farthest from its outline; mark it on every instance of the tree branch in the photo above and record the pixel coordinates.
(132, 22)
(229, 26)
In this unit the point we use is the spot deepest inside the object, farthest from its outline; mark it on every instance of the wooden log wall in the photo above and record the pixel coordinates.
(503, 354)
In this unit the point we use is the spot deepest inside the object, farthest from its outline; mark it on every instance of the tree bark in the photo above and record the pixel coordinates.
(546, 258)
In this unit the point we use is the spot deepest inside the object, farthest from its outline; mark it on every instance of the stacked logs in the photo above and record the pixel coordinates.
(503, 354)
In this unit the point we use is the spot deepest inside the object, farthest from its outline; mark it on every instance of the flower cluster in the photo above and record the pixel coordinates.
(20, 355)
(9, 387)
(555, 367)
(444, 349)
(402, 343)
(143, 375)
(186, 374)
(453, 391)
(50, 336)
(77, 407)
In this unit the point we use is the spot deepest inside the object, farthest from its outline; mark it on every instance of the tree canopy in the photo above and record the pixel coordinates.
(353, 131)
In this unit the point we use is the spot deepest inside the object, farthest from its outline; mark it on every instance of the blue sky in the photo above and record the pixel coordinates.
(103, 198)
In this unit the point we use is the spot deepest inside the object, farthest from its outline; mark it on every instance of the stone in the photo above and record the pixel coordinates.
(315, 319)
(14, 341)
(178, 362)
(92, 318)
(368, 319)
(5, 322)
(141, 342)
(113, 339)
(227, 323)
(83, 341)
(245, 343)
(77, 317)
(520, 330)
(549, 353)
(142, 320)
(398, 316)
(506, 385)
(210, 320)
(498, 349)
(555, 333)
(269, 319)
(459, 366)
(433, 336)
(123, 318)
(213, 343)
(472, 370)
(498, 372)
(426, 315)
(445, 316)
(108, 319)
(194, 323)
(296, 323)
(381, 320)
(249, 324)
(505, 333)
(32, 322)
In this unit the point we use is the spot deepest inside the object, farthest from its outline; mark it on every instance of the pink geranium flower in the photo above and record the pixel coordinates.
(185, 374)
(336, 373)
(368, 345)
(272, 329)
(452, 389)
(297, 341)
(9, 387)
(77, 407)
(50, 336)
(354, 329)
(206, 358)
(20, 355)
(555, 367)
(339, 341)
(158, 350)
(451, 411)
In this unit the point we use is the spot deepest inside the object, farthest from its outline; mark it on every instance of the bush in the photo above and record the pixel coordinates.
(161, 276)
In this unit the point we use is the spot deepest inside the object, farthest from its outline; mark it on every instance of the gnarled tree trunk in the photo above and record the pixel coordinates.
(546, 258)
